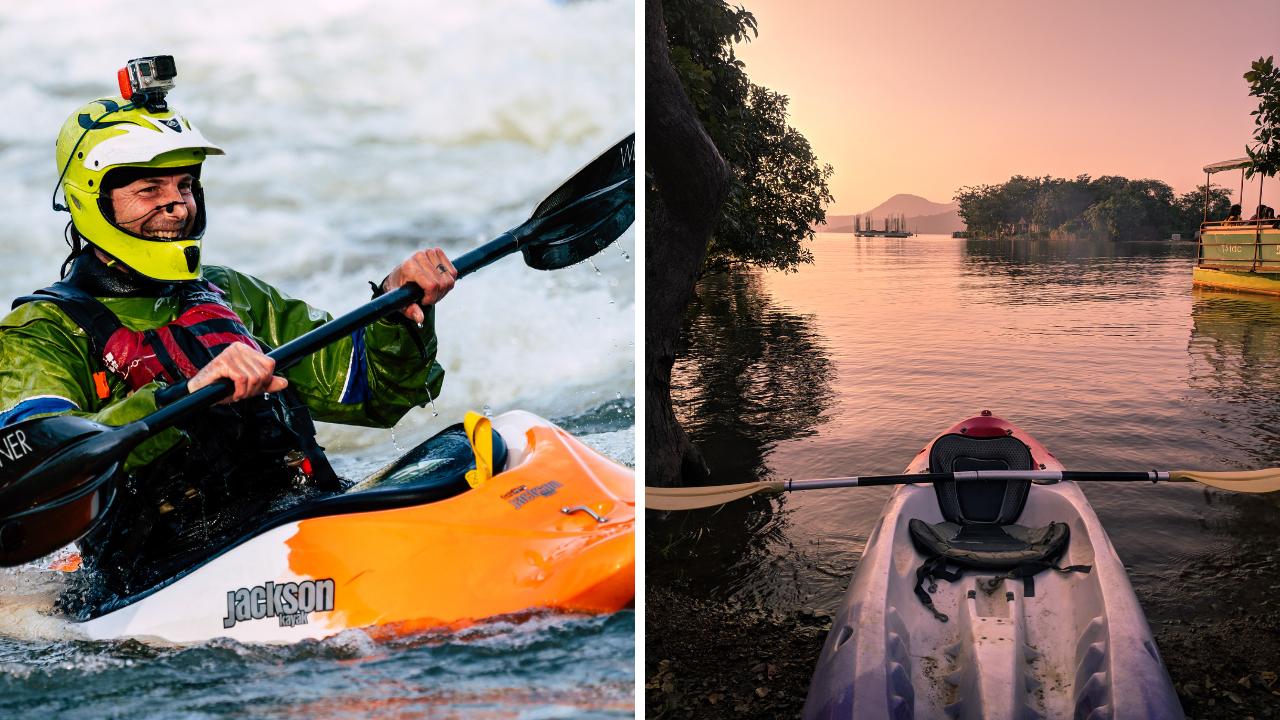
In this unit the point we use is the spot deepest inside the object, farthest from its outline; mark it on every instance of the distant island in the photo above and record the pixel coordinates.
(1108, 207)
(921, 216)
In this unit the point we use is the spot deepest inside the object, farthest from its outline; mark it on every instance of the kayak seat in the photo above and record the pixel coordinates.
(979, 532)
(991, 547)
(996, 502)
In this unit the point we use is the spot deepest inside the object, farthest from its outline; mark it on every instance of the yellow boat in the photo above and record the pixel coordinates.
(1238, 255)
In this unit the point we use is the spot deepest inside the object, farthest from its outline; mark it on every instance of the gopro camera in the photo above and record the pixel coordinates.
(145, 81)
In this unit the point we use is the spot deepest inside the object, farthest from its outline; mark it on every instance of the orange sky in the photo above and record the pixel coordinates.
(924, 96)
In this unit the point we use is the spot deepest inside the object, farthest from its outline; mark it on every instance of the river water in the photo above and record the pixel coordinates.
(356, 132)
(1103, 351)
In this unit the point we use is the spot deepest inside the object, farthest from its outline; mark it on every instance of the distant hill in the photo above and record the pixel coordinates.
(911, 206)
(923, 216)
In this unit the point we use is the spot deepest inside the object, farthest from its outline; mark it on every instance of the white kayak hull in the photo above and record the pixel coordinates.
(1080, 647)
(553, 530)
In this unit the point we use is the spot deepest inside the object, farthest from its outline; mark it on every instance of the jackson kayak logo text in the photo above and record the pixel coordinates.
(546, 489)
(292, 602)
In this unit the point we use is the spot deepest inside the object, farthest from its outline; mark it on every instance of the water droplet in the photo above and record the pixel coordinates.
(593, 266)
(486, 410)
(617, 396)
(395, 444)
(626, 257)
(430, 399)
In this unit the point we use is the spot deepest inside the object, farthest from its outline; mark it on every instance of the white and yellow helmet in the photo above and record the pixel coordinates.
(108, 135)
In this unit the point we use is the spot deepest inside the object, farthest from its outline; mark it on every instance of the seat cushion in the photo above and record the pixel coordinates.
(990, 547)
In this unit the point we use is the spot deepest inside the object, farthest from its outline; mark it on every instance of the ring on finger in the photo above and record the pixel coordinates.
(440, 267)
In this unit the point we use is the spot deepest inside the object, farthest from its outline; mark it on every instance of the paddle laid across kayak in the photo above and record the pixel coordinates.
(989, 599)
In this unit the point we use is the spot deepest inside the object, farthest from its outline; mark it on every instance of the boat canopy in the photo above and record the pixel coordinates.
(1228, 165)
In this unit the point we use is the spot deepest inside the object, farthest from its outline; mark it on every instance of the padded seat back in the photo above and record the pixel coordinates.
(994, 502)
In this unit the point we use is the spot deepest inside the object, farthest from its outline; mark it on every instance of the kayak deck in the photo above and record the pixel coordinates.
(1066, 644)
(554, 530)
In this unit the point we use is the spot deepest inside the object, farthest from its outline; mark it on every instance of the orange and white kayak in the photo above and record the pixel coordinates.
(416, 546)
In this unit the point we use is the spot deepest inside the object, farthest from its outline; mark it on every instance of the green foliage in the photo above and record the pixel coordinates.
(778, 189)
(1264, 84)
(1109, 207)
(1191, 207)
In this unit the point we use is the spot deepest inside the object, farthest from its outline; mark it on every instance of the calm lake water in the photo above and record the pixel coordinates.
(848, 367)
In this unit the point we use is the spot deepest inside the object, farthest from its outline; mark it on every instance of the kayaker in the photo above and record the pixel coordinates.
(137, 310)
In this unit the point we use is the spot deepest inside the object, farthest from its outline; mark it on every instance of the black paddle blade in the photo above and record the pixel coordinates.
(53, 487)
(40, 530)
(583, 228)
(29, 443)
(614, 164)
(586, 214)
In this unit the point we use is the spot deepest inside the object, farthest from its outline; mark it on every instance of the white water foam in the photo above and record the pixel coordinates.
(357, 132)
(27, 594)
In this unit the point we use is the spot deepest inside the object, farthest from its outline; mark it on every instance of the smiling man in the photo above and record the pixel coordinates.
(136, 311)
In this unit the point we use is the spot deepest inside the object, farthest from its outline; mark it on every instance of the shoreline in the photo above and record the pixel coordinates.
(705, 659)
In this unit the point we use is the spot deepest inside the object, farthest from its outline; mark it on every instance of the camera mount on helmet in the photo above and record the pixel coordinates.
(144, 81)
(108, 141)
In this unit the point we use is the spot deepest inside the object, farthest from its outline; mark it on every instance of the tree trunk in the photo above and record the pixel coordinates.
(689, 181)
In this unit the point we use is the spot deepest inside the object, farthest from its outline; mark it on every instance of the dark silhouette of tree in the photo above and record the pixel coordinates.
(688, 180)
(1264, 83)
(750, 199)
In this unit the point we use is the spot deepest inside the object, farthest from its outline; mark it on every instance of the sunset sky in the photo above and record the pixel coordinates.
(924, 97)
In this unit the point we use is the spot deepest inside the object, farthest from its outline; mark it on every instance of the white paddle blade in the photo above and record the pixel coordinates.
(692, 498)
(1243, 481)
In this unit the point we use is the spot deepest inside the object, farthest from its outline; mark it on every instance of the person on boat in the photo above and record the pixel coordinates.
(137, 310)
(1233, 214)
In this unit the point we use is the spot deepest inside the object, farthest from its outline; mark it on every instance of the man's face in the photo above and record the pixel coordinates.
(163, 206)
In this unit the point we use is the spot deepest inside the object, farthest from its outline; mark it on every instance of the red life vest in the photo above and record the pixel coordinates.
(170, 353)
(175, 351)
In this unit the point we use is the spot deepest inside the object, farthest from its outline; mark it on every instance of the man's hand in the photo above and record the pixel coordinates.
(429, 270)
(247, 367)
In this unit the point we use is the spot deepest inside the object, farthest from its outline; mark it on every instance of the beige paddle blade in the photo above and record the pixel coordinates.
(692, 498)
(1244, 481)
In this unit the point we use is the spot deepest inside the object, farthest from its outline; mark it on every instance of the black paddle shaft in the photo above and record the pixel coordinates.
(294, 351)
(978, 475)
(568, 234)
(72, 458)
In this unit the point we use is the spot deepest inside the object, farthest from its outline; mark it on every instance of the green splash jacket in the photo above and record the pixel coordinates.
(372, 377)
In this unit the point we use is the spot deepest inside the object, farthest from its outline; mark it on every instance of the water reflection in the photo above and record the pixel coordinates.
(1104, 270)
(751, 374)
(1235, 370)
